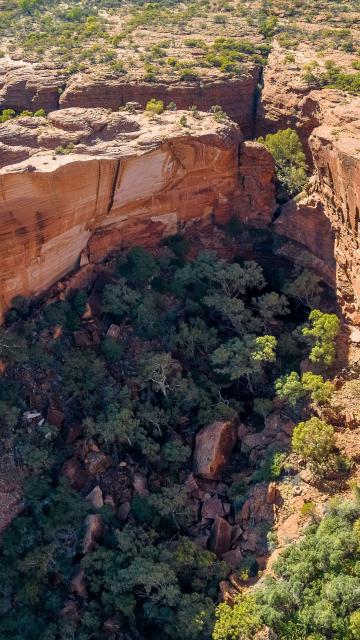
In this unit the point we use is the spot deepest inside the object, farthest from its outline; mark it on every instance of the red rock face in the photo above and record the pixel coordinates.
(131, 180)
(213, 448)
(328, 124)
(337, 181)
(256, 202)
(23, 86)
(235, 95)
(306, 224)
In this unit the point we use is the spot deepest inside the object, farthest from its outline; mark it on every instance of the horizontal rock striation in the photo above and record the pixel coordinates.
(27, 86)
(119, 180)
(336, 152)
(326, 221)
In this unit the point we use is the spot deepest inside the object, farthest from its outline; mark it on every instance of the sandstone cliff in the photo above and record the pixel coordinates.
(27, 86)
(326, 221)
(117, 180)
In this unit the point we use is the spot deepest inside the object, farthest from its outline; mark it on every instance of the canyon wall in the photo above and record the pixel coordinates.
(32, 87)
(325, 221)
(129, 179)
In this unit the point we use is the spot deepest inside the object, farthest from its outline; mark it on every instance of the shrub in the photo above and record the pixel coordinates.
(314, 441)
(155, 107)
(324, 329)
(239, 622)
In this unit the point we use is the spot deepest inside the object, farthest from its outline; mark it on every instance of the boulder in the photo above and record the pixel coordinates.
(75, 473)
(140, 484)
(95, 498)
(212, 508)
(78, 583)
(97, 462)
(55, 417)
(213, 448)
(123, 511)
(93, 532)
(220, 538)
(233, 558)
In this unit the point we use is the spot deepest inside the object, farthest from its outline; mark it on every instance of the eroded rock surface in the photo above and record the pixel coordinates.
(32, 86)
(328, 122)
(213, 448)
(117, 180)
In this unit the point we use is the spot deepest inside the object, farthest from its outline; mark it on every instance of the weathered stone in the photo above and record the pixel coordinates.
(114, 332)
(158, 165)
(72, 432)
(228, 593)
(87, 337)
(93, 532)
(272, 493)
(140, 484)
(55, 417)
(123, 511)
(95, 498)
(97, 462)
(236, 534)
(75, 473)
(212, 508)
(220, 539)
(78, 583)
(213, 448)
(233, 558)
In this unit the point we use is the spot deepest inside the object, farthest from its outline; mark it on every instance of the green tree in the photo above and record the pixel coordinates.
(239, 622)
(291, 388)
(320, 390)
(139, 267)
(194, 338)
(286, 149)
(305, 288)
(271, 305)
(247, 357)
(119, 298)
(155, 107)
(355, 624)
(116, 424)
(160, 371)
(324, 329)
(314, 441)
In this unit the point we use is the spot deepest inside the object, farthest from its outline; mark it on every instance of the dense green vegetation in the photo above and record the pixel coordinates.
(315, 591)
(200, 340)
(286, 149)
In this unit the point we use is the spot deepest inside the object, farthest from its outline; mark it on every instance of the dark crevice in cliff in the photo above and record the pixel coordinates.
(257, 100)
(113, 186)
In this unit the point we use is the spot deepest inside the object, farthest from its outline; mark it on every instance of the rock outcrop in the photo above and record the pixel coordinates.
(95, 181)
(326, 221)
(27, 86)
(305, 224)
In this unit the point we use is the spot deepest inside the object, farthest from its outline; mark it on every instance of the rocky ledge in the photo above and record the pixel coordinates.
(24, 85)
(83, 182)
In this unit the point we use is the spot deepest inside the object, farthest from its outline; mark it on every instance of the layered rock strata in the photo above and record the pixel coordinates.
(32, 87)
(95, 180)
(326, 221)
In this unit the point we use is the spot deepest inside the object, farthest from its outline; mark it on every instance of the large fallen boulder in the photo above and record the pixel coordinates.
(213, 448)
